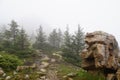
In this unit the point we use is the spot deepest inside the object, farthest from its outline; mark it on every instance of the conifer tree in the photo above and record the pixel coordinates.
(22, 40)
(67, 38)
(53, 39)
(73, 45)
(13, 31)
(78, 40)
(40, 39)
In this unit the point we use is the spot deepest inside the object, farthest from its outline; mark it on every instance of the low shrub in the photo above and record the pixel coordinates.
(24, 53)
(9, 62)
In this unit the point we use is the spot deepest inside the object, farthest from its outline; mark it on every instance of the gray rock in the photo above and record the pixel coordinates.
(8, 78)
(27, 77)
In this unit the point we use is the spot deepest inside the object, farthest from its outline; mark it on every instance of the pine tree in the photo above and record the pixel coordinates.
(10, 37)
(15, 41)
(53, 39)
(67, 38)
(13, 31)
(22, 40)
(78, 40)
(40, 39)
(72, 46)
(67, 44)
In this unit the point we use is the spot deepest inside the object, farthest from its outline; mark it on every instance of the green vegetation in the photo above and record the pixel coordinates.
(72, 47)
(15, 45)
(64, 70)
(9, 62)
(14, 40)
(81, 74)
(40, 42)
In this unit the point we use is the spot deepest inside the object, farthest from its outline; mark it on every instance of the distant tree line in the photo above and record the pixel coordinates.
(14, 39)
(70, 45)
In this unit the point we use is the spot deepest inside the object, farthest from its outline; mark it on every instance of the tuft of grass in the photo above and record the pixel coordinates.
(84, 75)
(63, 70)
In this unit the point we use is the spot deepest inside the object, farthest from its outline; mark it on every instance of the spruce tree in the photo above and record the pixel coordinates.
(10, 37)
(13, 31)
(53, 39)
(73, 45)
(40, 39)
(22, 40)
(78, 40)
(67, 38)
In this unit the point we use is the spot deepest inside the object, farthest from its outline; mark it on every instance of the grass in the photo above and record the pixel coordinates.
(63, 70)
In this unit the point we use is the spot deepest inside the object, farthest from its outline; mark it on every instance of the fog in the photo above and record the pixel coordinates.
(92, 15)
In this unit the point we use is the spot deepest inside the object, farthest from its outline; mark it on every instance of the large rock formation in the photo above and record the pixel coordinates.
(101, 54)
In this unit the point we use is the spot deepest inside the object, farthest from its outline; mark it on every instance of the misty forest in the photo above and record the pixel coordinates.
(59, 40)
(59, 55)
(53, 56)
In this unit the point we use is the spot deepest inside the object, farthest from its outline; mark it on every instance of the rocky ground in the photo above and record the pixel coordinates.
(47, 67)
(43, 67)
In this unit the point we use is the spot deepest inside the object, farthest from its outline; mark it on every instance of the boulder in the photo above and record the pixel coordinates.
(101, 53)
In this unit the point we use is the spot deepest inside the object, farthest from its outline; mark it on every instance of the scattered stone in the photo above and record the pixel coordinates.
(71, 75)
(43, 70)
(27, 77)
(41, 74)
(44, 64)
(14, 72)
(57, 56)
(42, 77)
(53, 60)
(21, 68)
(64, 77)
(46, 58)
(8, 78)
(4, 75)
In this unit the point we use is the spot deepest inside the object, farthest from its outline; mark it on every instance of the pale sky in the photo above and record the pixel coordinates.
(92, 15)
